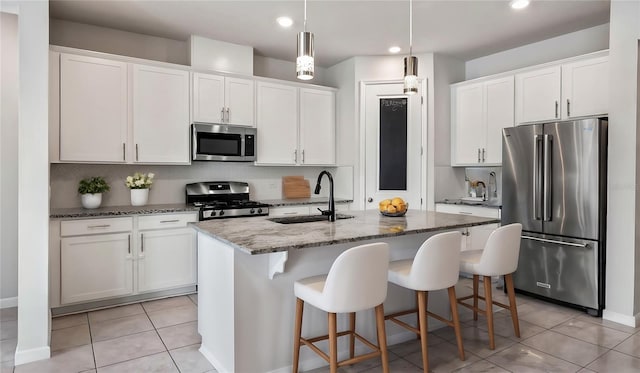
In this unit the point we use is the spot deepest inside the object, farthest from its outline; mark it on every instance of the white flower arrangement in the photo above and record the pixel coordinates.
(139, 181)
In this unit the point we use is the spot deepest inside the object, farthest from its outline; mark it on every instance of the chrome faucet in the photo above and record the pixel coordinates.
(331, 212)
(492, 175)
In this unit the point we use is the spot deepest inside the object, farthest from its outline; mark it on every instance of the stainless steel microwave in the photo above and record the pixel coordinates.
(221, 142)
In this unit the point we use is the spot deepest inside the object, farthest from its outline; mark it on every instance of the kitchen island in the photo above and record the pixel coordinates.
(246, 271)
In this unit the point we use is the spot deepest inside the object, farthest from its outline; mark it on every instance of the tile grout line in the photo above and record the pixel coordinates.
(161, 340)
(93, 351)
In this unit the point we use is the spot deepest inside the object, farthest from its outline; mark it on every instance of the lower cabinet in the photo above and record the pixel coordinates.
(474, 238)
(108, 258)
(95, 267)
(304, 209)
(166, 259)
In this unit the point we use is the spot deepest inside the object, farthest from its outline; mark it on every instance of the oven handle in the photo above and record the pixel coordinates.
(563, 243)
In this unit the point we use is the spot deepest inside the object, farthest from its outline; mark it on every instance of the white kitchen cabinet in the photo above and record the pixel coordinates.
(474, 238)
(479, 113)
(166, 259)
(304, 209)
(317, 127)
(585, 88)
(93, 109)
(95, 267)
(277, 123)
(538, 95)
(160, 107)
(220, 99)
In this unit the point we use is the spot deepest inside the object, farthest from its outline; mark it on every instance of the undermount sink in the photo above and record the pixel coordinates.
(306, 218)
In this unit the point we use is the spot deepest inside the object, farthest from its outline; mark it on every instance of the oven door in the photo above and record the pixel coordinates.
(214, 142)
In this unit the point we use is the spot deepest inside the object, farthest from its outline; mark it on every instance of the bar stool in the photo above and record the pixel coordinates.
(499, 257)
(356, 281)
(434, 267)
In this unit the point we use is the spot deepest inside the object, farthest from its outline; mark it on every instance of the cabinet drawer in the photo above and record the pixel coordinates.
(289, 211)
(166, 221)
(95, 226)
(486, 212)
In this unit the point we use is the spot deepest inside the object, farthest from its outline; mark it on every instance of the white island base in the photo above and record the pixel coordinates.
(246, 319)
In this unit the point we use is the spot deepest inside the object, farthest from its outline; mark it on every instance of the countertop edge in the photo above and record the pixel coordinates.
(113, 211)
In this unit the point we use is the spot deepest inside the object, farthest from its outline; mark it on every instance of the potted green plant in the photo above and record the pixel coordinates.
(91, 190)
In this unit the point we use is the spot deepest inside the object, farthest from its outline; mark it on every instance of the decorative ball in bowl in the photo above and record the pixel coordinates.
(393, 207)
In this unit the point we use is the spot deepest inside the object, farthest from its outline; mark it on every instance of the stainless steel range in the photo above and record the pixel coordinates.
(223, 199)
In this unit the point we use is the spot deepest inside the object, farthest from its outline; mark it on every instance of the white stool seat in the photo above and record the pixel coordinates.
(499, 257)
(356, 281)
(434, 267)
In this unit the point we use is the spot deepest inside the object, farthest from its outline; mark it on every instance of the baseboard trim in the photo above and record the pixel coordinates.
(8, 302)
(31, 355)
(632, 321)
(212, 359)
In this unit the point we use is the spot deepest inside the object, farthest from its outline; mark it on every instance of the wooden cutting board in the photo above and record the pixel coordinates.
(295, 187)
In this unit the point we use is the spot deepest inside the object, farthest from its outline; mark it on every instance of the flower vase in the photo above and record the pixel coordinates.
(91, 200)
(139, 197)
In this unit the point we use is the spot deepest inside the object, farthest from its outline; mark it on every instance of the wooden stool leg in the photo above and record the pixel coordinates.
(333, 343)
(382, 338)
(488, 303)
(297, 334)
(352, 328)
(456, 320)
(422, 314)
(476, 279)
(512, 304)
(417, 316)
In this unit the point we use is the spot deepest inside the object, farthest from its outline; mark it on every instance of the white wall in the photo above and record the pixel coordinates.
(9, 160)
(623, 269)
(568, 45)
(33, 178)
(107, 40)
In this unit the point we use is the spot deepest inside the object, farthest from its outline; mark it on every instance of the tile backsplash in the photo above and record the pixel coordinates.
(265, 182)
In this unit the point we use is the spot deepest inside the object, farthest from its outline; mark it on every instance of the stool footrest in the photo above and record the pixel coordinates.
(393, 317)
(310, 343)
(359, 358)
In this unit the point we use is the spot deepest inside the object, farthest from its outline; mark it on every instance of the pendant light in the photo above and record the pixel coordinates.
(410, 62)
(304, 62)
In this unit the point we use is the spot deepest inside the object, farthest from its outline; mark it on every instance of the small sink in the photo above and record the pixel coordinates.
(306, 218)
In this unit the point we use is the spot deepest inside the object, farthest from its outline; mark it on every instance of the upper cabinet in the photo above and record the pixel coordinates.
(585, 88)
(479, 113)
(115, 112)
(220, 99)
(296, 126)
(566, 91)
(160, 107)
(93, 109)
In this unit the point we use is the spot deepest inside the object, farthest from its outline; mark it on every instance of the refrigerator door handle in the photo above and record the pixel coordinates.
(555, 242)
(546, 197)
(536, 177)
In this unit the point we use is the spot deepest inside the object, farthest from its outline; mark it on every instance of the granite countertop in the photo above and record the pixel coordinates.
(303, 201)
(257, 235)
(488, 204)
(107, 211)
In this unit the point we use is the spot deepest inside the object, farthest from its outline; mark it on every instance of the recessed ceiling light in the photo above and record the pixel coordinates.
(519, 4)
(285, 21)
(394, 49)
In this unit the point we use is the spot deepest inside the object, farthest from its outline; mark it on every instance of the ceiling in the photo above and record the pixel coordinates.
(345, 28)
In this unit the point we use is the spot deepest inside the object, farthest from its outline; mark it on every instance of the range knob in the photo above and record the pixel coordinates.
(221, 213)
(259, 211)
(213, 213)
(252, 211)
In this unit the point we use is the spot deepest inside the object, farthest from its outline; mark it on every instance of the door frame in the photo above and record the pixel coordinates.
(427, 144)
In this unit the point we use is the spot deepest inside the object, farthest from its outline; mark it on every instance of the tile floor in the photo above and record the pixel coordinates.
(160, 336)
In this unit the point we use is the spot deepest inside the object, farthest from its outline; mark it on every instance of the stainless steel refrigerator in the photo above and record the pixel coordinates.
(554, 183)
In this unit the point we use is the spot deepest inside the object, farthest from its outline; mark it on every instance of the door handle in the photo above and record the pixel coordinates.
(295, 155)
(556, 109)
(478, 155)
(222, 115)
(555, 242)
(568, 108)
(483, 153)
(136, 152)
(228, 115)
(302, 155)
(142, 242)
(369, 199)
(129, 244)
(536, 177)
(170, 221)
(547, 178)
(99, 226)
(124, 156)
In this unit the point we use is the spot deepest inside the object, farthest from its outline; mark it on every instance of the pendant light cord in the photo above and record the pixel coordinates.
(410, 26)
(305, 16)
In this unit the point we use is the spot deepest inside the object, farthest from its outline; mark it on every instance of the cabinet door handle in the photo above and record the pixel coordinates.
(228, 116)
(99, 226)
(483, 152)
(222, 115)
(124, 155)
(129, 245)
(466, 232)
(478, 155)
(556, 109)
(295, 155)
(302, 155)
(466, 213)
(290, 213)
(568, 108)
(136, 152)
(142, 242)
(170, 221)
